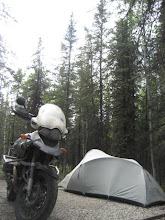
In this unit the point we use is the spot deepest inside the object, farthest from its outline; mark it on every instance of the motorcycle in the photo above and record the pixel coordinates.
(31, 180)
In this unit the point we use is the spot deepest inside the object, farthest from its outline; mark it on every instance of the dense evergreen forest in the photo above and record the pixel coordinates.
(111, 89)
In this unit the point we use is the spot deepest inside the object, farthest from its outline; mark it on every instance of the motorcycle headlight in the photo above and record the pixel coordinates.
(50, 137)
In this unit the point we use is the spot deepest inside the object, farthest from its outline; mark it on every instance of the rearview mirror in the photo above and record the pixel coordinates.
(20, 101)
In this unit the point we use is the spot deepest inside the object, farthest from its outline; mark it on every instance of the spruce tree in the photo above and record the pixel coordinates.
(123, 91)
(64, 87)
(86, 106)
(38, 83)
(100, 36)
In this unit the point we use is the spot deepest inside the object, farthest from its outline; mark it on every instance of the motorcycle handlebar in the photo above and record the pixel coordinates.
(23, 113)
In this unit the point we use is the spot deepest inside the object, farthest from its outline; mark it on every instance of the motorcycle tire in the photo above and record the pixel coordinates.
(11, 194)
(42, 200)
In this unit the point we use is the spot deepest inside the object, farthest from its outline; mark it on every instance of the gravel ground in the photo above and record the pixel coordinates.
(76, 207)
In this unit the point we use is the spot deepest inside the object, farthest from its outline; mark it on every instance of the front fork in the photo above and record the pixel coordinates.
(30, 180)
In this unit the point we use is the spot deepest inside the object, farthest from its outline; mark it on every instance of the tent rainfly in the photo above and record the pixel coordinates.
(116, 178)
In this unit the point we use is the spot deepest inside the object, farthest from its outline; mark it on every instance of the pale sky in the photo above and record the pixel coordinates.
(47, 19)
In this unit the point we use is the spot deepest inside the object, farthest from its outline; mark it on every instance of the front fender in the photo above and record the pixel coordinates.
(50, 171)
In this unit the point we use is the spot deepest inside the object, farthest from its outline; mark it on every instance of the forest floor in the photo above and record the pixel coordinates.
(76, 207)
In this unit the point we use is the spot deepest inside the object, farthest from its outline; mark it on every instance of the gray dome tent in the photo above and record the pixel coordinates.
(104, 175)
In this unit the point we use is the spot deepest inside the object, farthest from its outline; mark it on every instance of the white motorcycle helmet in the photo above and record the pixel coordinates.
(50, 116)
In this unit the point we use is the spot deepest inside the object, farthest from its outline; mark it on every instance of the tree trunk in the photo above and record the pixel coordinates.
(149, 102)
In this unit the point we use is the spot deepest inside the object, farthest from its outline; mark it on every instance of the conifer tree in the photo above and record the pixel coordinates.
(66, 70)
(123, 92)
(86, 105)
(64, 88)
(37, 83)
(100, 36)
(157, 69)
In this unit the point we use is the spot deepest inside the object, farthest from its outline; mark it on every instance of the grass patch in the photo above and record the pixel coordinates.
(1, 171)
(163, 187)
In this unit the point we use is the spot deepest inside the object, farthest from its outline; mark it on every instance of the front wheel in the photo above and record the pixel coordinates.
(42, 200)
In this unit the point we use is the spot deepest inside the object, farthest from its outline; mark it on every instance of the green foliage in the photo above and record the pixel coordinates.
(36, 87)
(68, 170)
(124, 91)
(1, 171)
(102, 88)
(163, 187)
